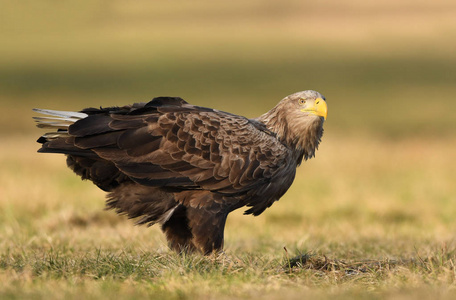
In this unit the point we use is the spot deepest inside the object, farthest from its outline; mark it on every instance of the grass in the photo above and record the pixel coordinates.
(171, 276)
(373, 219)
(372, 216)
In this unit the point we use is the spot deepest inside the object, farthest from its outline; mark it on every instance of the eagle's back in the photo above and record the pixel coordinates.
(180, 149)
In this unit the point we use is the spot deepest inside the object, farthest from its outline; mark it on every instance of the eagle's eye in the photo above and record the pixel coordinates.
(302, 101)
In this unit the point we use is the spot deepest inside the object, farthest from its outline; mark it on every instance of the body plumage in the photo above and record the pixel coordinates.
(187, 167)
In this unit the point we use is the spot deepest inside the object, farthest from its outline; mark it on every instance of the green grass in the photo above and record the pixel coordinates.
(375, 215)
(373, 212)
(132, 274)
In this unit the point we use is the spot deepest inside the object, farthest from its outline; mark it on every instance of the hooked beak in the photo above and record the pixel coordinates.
(319, 108)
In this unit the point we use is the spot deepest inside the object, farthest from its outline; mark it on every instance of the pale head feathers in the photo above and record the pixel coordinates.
(298, 130)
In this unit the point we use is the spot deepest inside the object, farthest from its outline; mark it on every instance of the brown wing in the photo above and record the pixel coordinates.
(169, 143)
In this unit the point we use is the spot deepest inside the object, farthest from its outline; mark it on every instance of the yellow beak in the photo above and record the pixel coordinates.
(319, 108)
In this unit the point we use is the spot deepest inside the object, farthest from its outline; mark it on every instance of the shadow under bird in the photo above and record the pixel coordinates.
(187, 167)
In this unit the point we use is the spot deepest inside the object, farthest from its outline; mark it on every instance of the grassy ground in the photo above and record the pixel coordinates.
(371, 216)
(377, 215)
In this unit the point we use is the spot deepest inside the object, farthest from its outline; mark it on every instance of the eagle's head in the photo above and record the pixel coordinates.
(307, 103)
(297, 120)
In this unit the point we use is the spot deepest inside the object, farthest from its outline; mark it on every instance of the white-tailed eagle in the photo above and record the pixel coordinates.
(187, 167)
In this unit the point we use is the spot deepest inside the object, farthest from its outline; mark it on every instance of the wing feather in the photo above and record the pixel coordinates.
(170, 143)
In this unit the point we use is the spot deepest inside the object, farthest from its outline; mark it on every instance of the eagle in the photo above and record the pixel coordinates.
(187, 167)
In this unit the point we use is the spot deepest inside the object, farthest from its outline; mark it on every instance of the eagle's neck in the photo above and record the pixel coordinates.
(301, 134)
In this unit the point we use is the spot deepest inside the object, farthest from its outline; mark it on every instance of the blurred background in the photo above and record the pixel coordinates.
(387, 69)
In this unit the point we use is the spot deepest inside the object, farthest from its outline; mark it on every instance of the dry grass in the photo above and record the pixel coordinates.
(373, 216)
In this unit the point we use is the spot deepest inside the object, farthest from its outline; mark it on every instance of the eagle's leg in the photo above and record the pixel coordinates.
(207, 226)
(178, 232)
